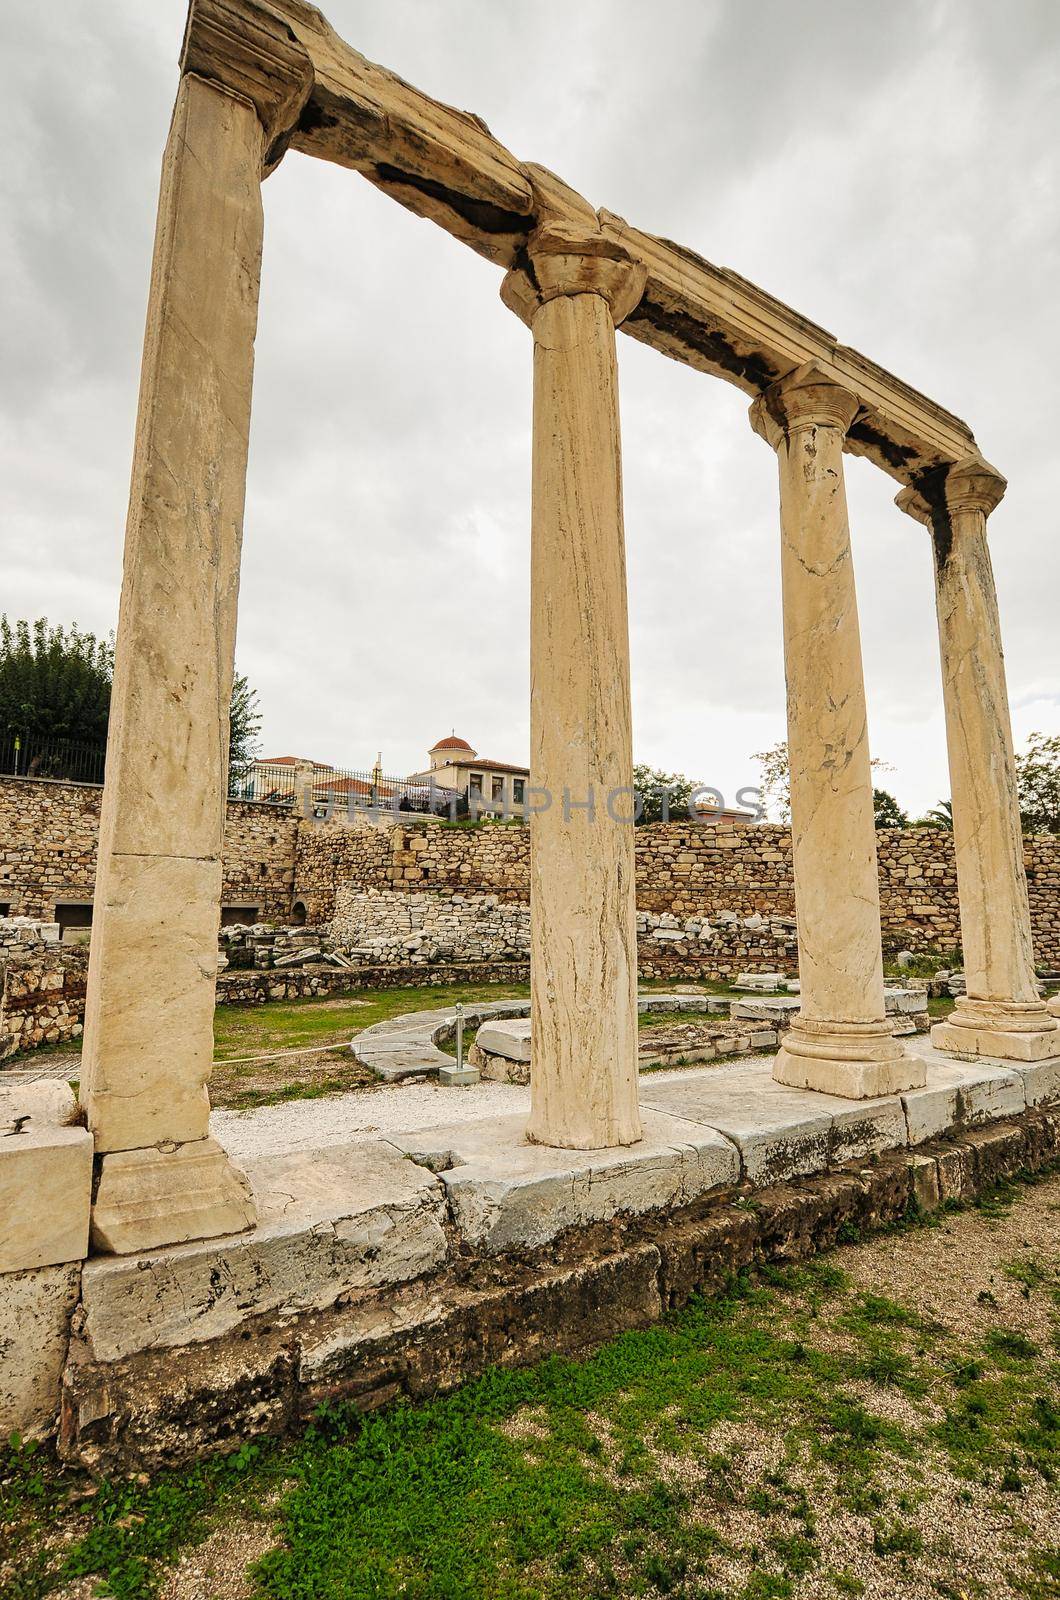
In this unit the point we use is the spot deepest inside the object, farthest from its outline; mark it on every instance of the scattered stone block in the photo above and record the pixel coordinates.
(45, 1194)
(509, 1038)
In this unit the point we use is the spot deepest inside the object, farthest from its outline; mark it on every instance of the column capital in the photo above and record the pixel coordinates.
(969, 485)
(566, 259)
(807, 397)
(247, 50)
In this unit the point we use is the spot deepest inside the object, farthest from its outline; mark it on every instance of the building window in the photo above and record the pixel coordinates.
(74, 922)
(233, 914)
(476, 783)
(498, 788)
(519, 791)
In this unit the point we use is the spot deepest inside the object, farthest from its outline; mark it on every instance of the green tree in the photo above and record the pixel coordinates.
(244, 725)
(662, 793)
(940, 816)
(775, 782)
(886, 810)
(54, 681)
(1038, 777)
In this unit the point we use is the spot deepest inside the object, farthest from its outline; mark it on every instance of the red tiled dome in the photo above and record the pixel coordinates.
(452, 743)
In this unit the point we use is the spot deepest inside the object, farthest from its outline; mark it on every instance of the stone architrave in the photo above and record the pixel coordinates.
(573, 290)
(1002, 1013)
(149, 1016)
(841, 1042)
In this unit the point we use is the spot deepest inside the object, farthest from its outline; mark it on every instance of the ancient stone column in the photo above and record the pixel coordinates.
(573, 290)
(149, 1021)
(840, 1041)
(1002, 1014)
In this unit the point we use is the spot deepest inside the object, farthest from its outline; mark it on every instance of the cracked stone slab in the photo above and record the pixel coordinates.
(781, 1132)
(508, 1194)
(1041, 1079)
(35, 1311)
(961, 1094)
(333, 1221)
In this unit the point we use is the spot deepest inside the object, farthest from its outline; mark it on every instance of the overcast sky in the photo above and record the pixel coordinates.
(892, 171)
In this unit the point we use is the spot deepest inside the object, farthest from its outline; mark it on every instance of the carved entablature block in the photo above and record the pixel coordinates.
(248, 50)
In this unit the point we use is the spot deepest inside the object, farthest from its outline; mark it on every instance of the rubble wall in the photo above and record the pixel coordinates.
(48, 833)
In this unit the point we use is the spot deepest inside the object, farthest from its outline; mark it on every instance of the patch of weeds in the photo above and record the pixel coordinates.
(796, 1554)
(1044, 1580)
(1006, 1345)
(889, 1368)
(846, 1583)
(896, 1538)
(133, 1528)
(1029, 1272)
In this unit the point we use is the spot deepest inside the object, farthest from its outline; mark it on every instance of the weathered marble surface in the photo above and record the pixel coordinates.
(345, 1219)
(45, 1190)
(840, 1042)
(149, 1014)
(583, 959)
(506, 1193)
(168, 1194)
(35, 1310)
(1001, 1015)
(780, 1131)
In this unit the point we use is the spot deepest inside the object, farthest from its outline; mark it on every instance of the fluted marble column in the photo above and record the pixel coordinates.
(572, 291)
(840, 1041)
(149, 1018)
(1002, 1014)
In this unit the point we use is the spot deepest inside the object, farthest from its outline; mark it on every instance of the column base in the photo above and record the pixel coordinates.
(1053, 1007)
(1010, 1030)
(856, 1060)
(149, 1198)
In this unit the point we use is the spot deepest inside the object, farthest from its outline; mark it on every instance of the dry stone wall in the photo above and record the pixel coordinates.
(420, 902)
(42, 986)
(48, 849)
(388, 926)
(686, 871)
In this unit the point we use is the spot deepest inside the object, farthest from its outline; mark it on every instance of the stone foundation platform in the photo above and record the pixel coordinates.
(403, 1266)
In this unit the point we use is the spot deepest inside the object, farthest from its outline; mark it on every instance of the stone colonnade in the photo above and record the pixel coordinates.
(148, 1034)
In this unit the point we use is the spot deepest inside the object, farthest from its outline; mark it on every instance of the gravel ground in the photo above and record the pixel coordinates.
(361, 1114)
(367, 1113)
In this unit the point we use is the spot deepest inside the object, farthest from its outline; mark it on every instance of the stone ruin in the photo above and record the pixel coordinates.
(260, 78)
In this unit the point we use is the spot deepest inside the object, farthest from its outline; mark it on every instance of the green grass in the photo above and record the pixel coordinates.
(285, 1025)
(551, 1483)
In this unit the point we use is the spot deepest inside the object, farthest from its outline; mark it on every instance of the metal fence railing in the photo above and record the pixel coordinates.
(317, 790)
(26, 755)
(339, 789)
